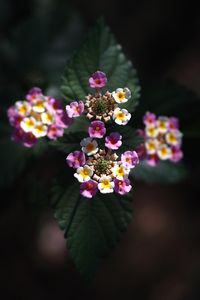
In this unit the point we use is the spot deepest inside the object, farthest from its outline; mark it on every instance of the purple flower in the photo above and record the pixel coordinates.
(113, 141)
(27, 138)
(152, 160)
(122, 186)
(129, 159)
(76, 159)
(75, 109)
(149, 118)
(62, 120)
(177, 154)
(13, 116)
(98, 80)
(88, 189)
(173, 123)
(97, 129)
(54, 132)
(33, 94)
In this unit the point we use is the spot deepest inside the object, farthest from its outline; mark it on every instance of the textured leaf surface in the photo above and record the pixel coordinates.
(91, 227)
(164, 172)
(100, 52)
(69, 142)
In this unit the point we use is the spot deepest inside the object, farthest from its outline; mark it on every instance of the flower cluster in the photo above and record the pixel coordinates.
(100, 169)
(162, 139)
(102, 106)
(37, 116)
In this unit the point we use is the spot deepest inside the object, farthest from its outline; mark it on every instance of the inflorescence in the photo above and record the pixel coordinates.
(101, 169)
(162, 139)
(36, 117)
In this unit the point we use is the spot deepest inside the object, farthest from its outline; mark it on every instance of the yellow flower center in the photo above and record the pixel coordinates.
(163, 151)
(39, 104)
(151, 131)
(120, 96)
(171, 138)
(23, 109)
(162, 125)
(84, 173)
(39, 128)
(120, 171)
(105, 183)
(151, 146)
(120, 115)
(29, 123)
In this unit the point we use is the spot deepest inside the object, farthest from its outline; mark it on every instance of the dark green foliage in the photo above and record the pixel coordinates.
(92, 227)
(69, 142)
(165, 172)
(100, 52)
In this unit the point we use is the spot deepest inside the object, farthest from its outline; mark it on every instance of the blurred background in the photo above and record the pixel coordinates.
(158, 258)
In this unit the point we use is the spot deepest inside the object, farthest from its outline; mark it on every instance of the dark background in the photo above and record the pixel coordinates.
(158, 258)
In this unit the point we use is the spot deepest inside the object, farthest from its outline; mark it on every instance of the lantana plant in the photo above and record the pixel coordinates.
(94, 127)
(37, 116)
(162, 139)
(100, 168)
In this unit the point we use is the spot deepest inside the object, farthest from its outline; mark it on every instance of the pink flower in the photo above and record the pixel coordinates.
(62, 120)
(33, 94)
(173, 123)
(152, 160)
(149, 118)
(113, 141)
(129, 159)
(76, 159)
(13, 116)
(54, 105)
(141, 151)
(75, 109)
(177, 154)
(54, 132)
(98, 80)
(97, 129)
(122, 186)
(28, 139)
(88, 189)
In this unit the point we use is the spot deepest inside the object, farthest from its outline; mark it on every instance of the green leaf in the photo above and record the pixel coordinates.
(92, 227)
(69, 142)
(169, 99)
(164, 172)
(100, 52)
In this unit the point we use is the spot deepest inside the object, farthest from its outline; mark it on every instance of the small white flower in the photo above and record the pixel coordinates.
(151, 131)
(120, 172)
(121, 116)
(121, 95)
(39, 105)
(174, 137)
(47, 118)
(23, 108)
(83, 173)
(106, 185)
(39, 130)
(164, 152)
(151, 146)
(89, 146)
(27, 124)
(162, 124)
